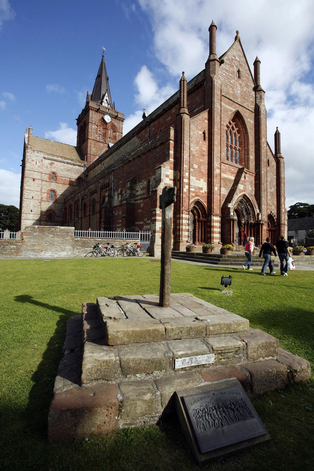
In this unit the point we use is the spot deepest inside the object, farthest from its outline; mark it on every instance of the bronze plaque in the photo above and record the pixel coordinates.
(221, 420)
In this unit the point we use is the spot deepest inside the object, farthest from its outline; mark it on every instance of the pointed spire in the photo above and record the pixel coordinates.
(101, 91)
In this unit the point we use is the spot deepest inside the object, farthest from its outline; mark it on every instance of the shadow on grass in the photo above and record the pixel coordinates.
(293, 327)
(40, 396)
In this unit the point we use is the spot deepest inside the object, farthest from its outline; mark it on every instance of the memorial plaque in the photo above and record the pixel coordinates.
(194, 361)
(220, 421)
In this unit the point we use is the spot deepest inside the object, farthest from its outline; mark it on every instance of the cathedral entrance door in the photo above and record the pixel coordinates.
(198, 224)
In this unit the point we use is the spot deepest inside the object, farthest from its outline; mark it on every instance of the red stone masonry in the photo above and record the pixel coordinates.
(227, 183)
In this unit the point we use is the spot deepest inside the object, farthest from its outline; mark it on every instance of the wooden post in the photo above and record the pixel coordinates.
(166, 200)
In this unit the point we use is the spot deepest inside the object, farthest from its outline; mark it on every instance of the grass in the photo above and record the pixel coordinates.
(37, 297)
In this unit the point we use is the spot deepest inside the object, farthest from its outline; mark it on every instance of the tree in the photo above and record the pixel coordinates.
(9, 217)
(301, 210)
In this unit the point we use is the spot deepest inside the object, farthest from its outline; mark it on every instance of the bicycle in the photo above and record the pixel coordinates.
(123, 251)
(110, 250)
(96, 252)
(133, 251)
(102, 251)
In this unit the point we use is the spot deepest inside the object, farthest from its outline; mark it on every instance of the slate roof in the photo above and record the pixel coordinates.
(301, 224)
(101, 86)
(57, 149)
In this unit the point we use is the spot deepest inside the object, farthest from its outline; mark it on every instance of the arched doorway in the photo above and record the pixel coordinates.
(272, 228)
(198, 226)
(244, 220)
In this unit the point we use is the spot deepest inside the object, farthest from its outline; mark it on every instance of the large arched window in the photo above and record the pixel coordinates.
(233, 148)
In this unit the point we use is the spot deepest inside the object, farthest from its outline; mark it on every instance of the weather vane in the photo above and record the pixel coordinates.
(104, 50)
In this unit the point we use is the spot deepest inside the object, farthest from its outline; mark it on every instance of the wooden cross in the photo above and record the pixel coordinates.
(166, 200)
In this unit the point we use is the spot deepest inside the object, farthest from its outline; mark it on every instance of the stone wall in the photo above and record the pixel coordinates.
(50, 242)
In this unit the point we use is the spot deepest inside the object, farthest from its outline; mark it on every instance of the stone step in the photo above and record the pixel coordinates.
(140, 319)
(218, 339)
(235, 259)
(101, 388)
(79, 411)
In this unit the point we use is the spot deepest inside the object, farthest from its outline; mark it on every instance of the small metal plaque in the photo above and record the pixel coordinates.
(194, 361)
(219, 421)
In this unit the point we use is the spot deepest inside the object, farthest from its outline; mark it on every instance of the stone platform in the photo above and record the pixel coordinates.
(125, 357)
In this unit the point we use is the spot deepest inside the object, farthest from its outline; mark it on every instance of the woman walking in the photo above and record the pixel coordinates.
(249, 247)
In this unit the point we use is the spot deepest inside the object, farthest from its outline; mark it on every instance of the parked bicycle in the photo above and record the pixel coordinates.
(102, 251)
(130, 250)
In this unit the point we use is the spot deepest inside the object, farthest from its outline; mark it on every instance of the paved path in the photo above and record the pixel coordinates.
(298, 266)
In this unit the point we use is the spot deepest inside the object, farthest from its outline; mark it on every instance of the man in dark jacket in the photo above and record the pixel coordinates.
(267, 249)
(282, 249)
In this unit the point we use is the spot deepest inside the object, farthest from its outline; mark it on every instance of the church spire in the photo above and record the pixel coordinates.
(101, 91)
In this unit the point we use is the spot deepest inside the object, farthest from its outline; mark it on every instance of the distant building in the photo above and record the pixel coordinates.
(298, 228)
(208, 139)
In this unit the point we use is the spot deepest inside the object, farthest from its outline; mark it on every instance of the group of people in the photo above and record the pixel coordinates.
(267, 250)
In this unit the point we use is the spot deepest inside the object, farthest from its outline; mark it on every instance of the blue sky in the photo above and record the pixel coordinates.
(50, 53)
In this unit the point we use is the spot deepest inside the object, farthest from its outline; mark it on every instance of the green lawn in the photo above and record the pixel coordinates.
(38, 296)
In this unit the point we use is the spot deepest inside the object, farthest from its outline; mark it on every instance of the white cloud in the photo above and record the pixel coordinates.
(9, 188)
(2, 105)
(280, 33)
(10, 96)
(128, 9)
(64, 134)
(54, 87)
(6, 12)
(131, 121)
(81, 96)
(149, 96)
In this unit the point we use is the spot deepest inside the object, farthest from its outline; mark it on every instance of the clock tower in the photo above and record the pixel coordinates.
(99, 125)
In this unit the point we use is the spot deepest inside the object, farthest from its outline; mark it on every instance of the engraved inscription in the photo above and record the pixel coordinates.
(194, 361)
(220, 413)
(222, 417)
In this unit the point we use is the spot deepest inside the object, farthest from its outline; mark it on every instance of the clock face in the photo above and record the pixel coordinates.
(107, 118)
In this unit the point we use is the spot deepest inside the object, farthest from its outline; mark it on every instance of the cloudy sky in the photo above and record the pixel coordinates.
(50, 53)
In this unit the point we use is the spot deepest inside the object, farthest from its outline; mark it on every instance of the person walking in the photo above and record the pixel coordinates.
(267, 249)
(249, 247)
(283, 254)
(245, 238)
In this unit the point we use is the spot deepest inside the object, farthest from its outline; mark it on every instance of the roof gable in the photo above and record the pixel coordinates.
(234, 51)
(55, 149)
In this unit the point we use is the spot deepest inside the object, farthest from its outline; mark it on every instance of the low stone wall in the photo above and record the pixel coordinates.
(51, 242)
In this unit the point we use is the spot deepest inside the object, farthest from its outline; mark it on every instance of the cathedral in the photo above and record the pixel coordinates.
(209, 140)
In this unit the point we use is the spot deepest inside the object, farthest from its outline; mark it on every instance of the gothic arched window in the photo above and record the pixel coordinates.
(51, 195)
(233, 149)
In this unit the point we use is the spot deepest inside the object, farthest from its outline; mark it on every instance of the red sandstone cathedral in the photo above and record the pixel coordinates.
(209, 140)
